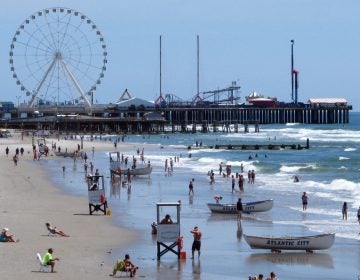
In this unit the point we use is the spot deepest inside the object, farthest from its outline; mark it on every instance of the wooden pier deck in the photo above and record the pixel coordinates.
(255, 146)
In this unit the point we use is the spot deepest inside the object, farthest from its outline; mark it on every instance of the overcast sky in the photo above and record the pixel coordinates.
(243, 41)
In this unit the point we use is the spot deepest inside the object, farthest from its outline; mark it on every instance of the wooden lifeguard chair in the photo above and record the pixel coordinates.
(42, 146)
(168, 234)
(96, 194)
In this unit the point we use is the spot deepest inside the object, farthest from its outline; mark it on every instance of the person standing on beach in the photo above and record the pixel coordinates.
(344, 211)
(128, 175)
(241, 183)
(7, 151)
(166, 165)
(220, 168)
(304, 199)
(197, 241)
(239, 208)
(252, 177)
(232, 183)
(171, 165)
(85, 167)
(191, 186)
(91, 167)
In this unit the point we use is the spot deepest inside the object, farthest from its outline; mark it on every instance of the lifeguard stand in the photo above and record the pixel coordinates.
(96, 194)
(115, 163)
(168, 235)
(42, 145)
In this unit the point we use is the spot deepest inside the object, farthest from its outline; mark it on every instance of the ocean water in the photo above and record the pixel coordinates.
(329, 172)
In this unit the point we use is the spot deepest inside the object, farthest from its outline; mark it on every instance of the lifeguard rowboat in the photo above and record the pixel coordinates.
(117, 168)
(68, 154)
(133, 171)
(140, 170)
(249, 207)
(307, 243)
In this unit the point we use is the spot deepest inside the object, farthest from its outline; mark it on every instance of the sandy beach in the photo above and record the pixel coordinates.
(35, 192)
(28, 200)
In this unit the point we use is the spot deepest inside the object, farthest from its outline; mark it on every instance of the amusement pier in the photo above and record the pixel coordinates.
(59, 95)
(135, 115)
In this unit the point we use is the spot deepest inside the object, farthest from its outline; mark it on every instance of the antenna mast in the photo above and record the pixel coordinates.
(198, 58)
(197, 96)
(294, 77)
(160, 99)
(292, 70)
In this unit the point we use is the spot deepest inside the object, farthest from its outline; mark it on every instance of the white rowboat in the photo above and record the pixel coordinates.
(140, 170)
(117, 168)
(134, 171)
(249, 207)
(307, 243)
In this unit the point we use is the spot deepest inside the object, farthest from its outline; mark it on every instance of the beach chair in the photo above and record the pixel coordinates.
(120, 266)
(43, 267)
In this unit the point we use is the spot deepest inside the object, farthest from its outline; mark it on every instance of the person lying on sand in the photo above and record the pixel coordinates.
(54, 231)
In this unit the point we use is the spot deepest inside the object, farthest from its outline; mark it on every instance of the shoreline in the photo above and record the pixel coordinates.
(29, 199)
(128, 212)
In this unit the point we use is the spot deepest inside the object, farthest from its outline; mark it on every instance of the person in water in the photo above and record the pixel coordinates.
(304, 199)
(344, 211)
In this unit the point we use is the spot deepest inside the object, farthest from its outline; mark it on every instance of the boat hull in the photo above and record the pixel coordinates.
(136, 171)
(67, 154)
(250, 207)
(141, 171)
(307, 243)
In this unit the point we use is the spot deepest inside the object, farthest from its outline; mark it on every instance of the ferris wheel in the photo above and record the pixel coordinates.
(58, 56)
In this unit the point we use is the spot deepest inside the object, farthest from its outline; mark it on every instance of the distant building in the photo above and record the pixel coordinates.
(327, 102)
(135, 104)
(6, 106)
